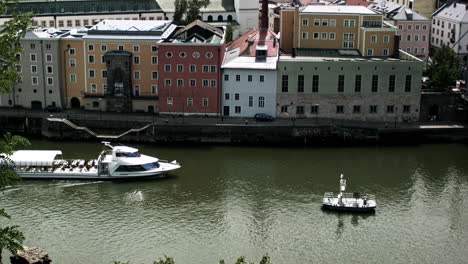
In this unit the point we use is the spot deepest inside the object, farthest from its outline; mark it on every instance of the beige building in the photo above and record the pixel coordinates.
(337, 27)
(424, 7)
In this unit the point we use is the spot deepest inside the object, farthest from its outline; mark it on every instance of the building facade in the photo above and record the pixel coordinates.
(349, 88)
(39, 69)
(113, 66)
(337, 27)
(190, 70)
(424, 7)
(249, 75)
(449, 27)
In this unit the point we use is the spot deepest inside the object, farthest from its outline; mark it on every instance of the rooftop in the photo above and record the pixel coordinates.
(341, 9)
(455, 11)
(130, 29)
(214, 6)
(199, 32)
(352, 56)
(250, 41)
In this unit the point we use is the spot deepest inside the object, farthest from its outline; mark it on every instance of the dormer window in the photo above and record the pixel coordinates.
(261, 51)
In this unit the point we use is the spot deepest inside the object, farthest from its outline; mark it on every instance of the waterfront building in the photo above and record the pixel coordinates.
(113, 66)
(249, 75)
(189, 75)
(449, 27)
(413, 29)
(39, 69)
(344, 63)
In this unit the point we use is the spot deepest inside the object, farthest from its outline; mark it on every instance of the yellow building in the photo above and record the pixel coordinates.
(336, 27)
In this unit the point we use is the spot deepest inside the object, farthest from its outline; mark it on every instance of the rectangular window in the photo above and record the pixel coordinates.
(154, 75)
(73, 78)
(154, 59)
(324, 22)
(332, 22)
(49, 69)
(236, 97)
(284, 83)
(300, 83)
(154, 48)
(262, 78)
(305, 35)
(316, 35)
(213, 83)
(386, 39)
(314, 109)
(91, 59)
(168, 82)
(120, 47)
(71, 51)
(316, 22)
(408, 81)
(103, 60)
(104, 88)
(305, 22)
(340, 83)
(136, 48)
(406, 109)
(226, 77)
(331, 35)
(385, 52)
(193, 68)
(91, 47)
(189, 101)
(91, 74)
(69, 23)
(370, 52)
(48, 57)
(249, 78)
(356, 109)
(226, 96)
(390, 109)
(261, 102)
(357, 84)
(77, 23)
(300, 110)
(137, 90)
(340, 109)
(193, 83)
(180, 83)
(136, 75)
(373, 109)
(33, 68)
(136, 60)
(237, 78)
(284, 109)
(60, 23)
(154, 89)
(167, 68)
(375, 83)
(213, 68)
(205, 83)
(205, 102)
(373, 39)
(250, 101)
(180, 68)
(50, 81)
(34, 80)
(33, 57)
(324, 35)
(85, 22)
(206, 68)
(391, 84)
(103, 48)
(237, 109)
(315, 83)
(169, 101)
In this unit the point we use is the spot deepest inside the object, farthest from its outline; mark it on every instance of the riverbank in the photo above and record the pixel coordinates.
(134, 127)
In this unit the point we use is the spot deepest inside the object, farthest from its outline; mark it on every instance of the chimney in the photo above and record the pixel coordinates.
(264, 23)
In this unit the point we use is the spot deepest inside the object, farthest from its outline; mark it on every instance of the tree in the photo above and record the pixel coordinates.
(190, 9)
(11, 32)
(444, 69)
(10, 237)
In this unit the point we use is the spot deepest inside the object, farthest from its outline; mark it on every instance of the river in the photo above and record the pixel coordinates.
(231, 201)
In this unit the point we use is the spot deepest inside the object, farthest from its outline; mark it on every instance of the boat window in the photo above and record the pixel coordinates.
(128, 154)
(123, 168)
(151, 166)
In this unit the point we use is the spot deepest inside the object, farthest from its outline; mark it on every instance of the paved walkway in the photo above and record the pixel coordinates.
(218, 121)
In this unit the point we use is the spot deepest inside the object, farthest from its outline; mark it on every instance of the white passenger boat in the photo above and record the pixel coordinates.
(116, 162)
(349, 202)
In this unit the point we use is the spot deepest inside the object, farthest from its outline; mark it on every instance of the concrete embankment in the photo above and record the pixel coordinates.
(264, 133)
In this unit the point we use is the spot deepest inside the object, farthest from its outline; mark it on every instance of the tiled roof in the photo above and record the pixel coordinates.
(455, 11)
(248, 43)
(357, 2)
(214, 6)
(338, 9)
(68, 7)
(201, 24)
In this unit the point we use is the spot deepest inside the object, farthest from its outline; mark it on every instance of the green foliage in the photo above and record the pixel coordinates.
(444, 69)
(11, 32)
(241, 260)
(190, 9)
(167, 260)
(229, 33)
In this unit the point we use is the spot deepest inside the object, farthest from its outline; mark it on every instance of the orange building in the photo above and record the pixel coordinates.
(337, 27)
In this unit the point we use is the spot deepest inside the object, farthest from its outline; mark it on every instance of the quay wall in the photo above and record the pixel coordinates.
(265, 134)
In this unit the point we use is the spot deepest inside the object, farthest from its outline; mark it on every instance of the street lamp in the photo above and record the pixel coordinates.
(100, 113)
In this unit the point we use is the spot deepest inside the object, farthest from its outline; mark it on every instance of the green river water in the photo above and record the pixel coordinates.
(231, 201)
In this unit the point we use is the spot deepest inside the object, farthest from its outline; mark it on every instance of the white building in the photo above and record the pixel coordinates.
(450, 27)
(249, 75)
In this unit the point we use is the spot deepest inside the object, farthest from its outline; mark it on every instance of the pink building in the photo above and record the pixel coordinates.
(413, 28)
(190, 70)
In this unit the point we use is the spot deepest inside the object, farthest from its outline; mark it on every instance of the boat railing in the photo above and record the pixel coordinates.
(350, 195)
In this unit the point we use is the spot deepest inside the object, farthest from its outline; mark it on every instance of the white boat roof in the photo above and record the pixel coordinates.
(124, 149)
(34, 157)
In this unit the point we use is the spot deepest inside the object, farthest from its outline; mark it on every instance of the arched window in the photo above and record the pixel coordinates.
(229, 18)
(210, 18)
(220, 18)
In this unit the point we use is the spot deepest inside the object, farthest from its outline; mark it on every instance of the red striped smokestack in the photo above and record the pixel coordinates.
(264, 23)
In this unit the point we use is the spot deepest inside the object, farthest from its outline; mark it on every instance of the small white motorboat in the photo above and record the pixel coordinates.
(348, 202)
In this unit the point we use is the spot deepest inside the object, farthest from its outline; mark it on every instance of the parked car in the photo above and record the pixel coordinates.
(53, 109)
(263, 117)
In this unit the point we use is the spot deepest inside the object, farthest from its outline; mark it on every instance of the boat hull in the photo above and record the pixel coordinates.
(348, 208)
